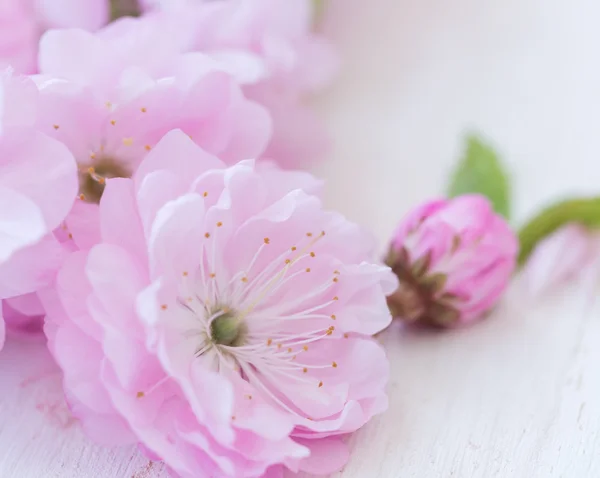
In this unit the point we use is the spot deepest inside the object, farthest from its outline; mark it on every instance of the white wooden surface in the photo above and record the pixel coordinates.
(515, 396)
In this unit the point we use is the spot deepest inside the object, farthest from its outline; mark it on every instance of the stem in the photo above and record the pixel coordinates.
(585, 211)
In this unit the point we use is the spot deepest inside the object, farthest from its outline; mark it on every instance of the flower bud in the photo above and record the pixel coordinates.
(453, 258)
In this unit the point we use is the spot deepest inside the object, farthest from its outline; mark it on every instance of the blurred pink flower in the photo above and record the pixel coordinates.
(111, 110)
(38, 182)
(22, 22)
(271, 48)
(223, 322)
(454, 259)
(561, 257)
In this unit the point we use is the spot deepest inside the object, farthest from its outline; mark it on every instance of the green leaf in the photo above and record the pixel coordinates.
(584, 211)
(480, 171)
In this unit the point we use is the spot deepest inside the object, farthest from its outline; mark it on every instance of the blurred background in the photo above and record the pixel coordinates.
(418, 74)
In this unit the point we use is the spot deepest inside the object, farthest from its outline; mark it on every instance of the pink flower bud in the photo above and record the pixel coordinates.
(453, 258)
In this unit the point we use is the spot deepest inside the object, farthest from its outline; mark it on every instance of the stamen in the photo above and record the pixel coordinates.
(56, 126)
(142, 394)
(127, 141)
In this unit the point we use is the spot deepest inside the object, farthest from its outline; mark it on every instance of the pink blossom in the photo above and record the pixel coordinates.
(271, 48)
(560, 257)
(38, 181)
(22, 22)
(111, 106)
(223, 321)
(453, 258)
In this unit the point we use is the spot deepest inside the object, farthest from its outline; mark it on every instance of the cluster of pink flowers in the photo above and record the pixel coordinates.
(201, 302)
(198, 298)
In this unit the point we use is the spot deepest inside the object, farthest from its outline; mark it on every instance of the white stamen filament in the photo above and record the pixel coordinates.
(264, 352)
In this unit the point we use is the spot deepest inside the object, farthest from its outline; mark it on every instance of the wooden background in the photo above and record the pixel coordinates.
(515, 396)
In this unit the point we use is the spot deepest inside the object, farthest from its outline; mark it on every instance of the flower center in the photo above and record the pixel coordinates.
(267, 335)
(92, 180)
(228, 329)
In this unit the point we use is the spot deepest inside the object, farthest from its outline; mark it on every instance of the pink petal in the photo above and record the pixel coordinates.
(43, 170)
(327, 455)
(119, 221)
(116, 279)
(31, 268)
(19, 105)
(177, 153)
(21, 223)
(89, 14)
(74, 55)
(559, 257)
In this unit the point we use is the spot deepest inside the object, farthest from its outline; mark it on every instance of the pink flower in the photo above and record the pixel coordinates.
(270, 47)
(453, 258)
(22, 21)
(38, 181)
(561, 257)
(111, 110)
(223, 322)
